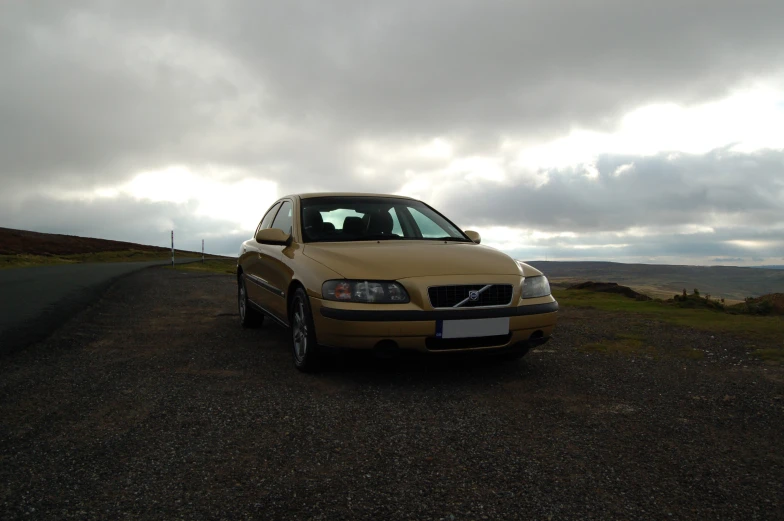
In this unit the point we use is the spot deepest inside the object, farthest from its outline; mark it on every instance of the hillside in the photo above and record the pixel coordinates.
(22, 249)
(661, 280)
(22, 242)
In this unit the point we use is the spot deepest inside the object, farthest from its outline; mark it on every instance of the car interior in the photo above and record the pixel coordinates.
(372, 224)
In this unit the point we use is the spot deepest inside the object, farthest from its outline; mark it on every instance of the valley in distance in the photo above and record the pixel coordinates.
(663, 281)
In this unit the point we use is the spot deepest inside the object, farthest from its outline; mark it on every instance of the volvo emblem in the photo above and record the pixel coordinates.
(473, 295)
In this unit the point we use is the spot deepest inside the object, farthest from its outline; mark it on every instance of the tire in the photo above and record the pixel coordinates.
(249, 317)
(304, 348)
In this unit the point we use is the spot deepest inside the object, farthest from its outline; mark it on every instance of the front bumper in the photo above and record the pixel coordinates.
(409, 329)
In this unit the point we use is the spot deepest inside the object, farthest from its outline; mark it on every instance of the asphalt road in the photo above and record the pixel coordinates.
(34, 301)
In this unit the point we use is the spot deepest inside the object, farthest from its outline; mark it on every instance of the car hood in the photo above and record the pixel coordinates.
(396, 260)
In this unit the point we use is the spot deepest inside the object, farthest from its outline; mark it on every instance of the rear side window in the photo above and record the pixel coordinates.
(283, 219)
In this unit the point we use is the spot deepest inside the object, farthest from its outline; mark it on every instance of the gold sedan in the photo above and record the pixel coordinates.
(387, 273)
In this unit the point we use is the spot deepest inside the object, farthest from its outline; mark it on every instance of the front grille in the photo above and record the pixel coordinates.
(448, 296)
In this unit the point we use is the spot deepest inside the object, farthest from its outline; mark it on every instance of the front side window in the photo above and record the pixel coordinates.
(267, 220)
(396, 228)
(428, 227)
(283, 218)
(358, 218)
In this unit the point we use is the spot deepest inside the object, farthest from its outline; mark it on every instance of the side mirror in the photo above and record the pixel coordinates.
(272, 236)
(474, 236)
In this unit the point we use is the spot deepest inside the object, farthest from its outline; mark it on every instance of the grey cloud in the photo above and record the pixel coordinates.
(658, 191)
(71, 112)
(126, 219)
(87, 98)
(446, 66)
(94, 92)
(699, 248)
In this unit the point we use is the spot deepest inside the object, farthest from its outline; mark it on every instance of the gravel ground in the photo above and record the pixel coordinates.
(155, 404)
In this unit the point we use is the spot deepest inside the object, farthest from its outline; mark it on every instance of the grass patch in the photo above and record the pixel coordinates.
(210, 266)
(26, 261)
(632, 344)
(691, 353)
(131, 255)
(766, 328)
(770, 355)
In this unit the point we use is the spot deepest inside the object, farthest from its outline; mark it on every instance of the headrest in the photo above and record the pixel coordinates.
(353, 225)
(312, 218)
(312, 222)
(380, 224)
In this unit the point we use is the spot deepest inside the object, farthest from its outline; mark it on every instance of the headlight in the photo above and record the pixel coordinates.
(537, 286)
(377, 292)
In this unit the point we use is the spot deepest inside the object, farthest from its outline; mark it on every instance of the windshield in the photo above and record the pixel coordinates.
(357, 218)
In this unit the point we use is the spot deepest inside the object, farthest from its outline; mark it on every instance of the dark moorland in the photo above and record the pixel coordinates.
(15, 242)
(24, 249)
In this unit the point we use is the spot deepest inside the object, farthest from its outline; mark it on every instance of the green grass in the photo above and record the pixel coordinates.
(767, 328)
(25, 261)
(691, 354)
(635, 344)
(770, 355)
(210, 266)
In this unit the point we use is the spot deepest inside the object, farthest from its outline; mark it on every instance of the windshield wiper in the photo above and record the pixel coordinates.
(360, 238)
(380, 237)
(450, 239)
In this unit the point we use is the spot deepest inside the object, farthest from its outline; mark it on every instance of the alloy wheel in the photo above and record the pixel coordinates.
(241, 300)
(300, 331)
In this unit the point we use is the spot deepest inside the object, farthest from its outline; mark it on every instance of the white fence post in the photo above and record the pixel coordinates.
(172, 241)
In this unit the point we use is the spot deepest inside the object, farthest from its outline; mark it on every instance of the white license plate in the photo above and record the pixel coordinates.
(472, 328)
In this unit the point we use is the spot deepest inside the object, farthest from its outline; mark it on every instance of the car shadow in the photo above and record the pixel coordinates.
(356, 366)
(363, 366)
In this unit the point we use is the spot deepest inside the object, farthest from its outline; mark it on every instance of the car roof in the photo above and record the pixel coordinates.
(347, 194)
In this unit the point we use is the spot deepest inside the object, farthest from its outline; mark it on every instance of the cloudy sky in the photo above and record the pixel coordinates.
(587, 130)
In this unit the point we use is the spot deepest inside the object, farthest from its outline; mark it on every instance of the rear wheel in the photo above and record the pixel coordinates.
(303, 333)
(249, 317)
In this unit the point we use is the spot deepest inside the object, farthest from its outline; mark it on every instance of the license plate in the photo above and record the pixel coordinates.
(472, 328)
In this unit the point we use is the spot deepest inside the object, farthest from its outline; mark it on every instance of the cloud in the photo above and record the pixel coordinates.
(663, 248)
(718, 188)
(127, 219)
(102, 90)
(598, 120)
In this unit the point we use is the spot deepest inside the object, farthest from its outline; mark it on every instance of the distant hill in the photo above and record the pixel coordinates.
(15, 242)
(661, 280)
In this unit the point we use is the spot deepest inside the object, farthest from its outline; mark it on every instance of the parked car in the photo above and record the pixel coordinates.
(387, 273)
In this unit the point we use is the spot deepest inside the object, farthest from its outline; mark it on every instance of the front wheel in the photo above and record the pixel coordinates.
(249, 317)
(303, 333)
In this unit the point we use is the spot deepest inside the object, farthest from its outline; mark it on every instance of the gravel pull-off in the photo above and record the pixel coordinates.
(155, 404)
